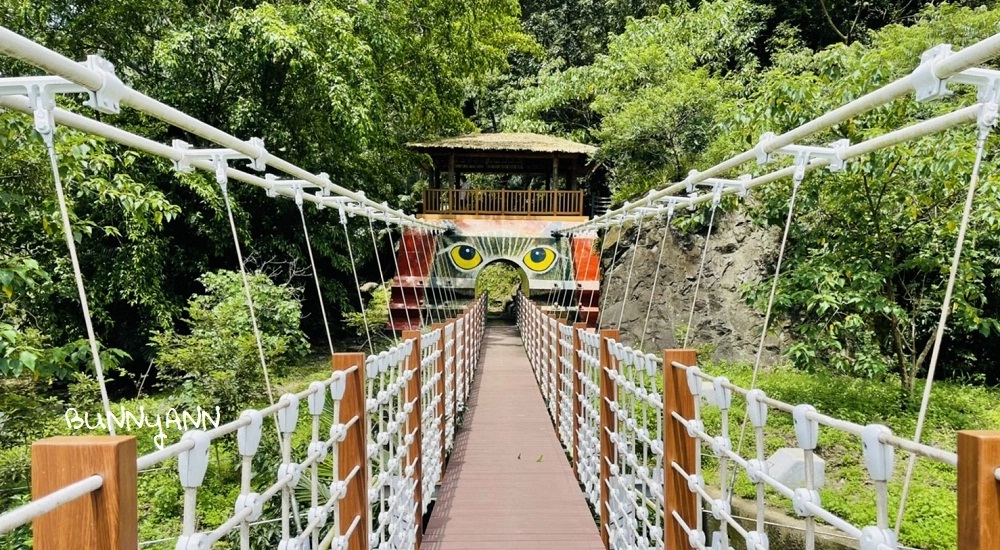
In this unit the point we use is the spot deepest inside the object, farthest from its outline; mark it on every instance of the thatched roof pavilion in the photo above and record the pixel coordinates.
(508, 153)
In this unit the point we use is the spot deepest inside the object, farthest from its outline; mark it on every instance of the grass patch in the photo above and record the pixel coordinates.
(930, 519)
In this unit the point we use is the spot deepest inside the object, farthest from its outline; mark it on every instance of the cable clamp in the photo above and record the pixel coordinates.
(739, 184)
(317, 399)
(290, 469)
(248, 437)
(873, 538)
(288, 417)
(926, 84)
(801, 498)
(803, 154)
(757, 541)
(193, 463)
(806, 430)
(218, 157)
(197, 541)
(253, 502)
(757, 469)
(723, 395)
(879, 457)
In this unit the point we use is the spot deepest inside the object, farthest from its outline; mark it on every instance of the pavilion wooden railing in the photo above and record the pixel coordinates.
(503, 202)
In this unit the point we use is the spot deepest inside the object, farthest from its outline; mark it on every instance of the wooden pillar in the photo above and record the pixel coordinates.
(678, 447)
(571, 175)
(442, 387)
(414, 425)
(555, 172)
(451, 172)
(353, 451)
(978, 490)
(608, 393)
(578, 375)
(106, 519)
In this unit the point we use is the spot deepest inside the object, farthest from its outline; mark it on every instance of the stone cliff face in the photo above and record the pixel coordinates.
(739, 252)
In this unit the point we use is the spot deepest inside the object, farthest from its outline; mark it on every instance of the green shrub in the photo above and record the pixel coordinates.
(217, 362)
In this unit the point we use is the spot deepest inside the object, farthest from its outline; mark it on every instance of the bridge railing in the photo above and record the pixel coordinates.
(500, 202)
(633, 425)
(378, 422)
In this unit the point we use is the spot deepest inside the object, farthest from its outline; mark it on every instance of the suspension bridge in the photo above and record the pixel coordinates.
(550, 434)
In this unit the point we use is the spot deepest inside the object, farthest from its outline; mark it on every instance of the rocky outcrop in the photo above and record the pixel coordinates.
(739, 252)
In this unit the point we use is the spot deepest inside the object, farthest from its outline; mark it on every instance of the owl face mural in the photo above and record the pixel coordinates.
(462, 255)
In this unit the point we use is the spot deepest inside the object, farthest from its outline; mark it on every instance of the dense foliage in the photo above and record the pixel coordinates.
(690, 86)
(334, 86)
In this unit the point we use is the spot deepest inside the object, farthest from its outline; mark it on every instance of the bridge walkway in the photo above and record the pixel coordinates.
(508, 483)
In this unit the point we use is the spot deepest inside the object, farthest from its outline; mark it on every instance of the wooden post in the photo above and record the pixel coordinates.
(414, 454)
(442, 387)
(106, 519)
(607, 423)
(353, 451)
(451, 172)
(678, 447)
(555, 172)
(578, 375)
(978, 490)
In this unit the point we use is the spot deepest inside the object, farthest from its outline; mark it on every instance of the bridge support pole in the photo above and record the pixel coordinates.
(354, 450)
(608, 424)
(978, 490)
(678, 448)
(106, 519)
(577, 391)
(414, 454)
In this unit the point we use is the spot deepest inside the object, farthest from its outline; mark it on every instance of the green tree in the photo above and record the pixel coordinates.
(870, 246)
(217, 362)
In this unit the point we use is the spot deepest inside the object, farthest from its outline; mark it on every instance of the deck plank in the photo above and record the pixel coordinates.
(509, 484)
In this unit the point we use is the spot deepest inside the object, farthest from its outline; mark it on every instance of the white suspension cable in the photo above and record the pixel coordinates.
(247, 292)
(381, 278)
(409, 269)
(88, 322)
(701, 267)
(988, 118)
(656, 274)
(614, 260)
(796, 183)
(941, 68)
(315, 272)
(106, 83)
(631, 266)
(357, 282)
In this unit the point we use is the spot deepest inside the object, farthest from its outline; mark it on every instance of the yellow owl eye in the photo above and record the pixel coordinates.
(465, 257)
(539, 259)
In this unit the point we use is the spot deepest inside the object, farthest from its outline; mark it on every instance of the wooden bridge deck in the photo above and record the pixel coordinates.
(508, 483)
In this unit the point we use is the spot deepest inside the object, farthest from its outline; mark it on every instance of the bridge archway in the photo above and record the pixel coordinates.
(502, 277)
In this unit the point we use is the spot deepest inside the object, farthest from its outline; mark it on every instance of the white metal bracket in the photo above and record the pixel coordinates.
(41, 91)
(806, 429)
(873, 538)
(879, 457)
(739, 184)
(803, 154)
(218, 157)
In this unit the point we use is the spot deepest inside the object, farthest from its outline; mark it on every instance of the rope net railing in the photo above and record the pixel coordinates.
(361, 454)
(344, 464)
(653, 448)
